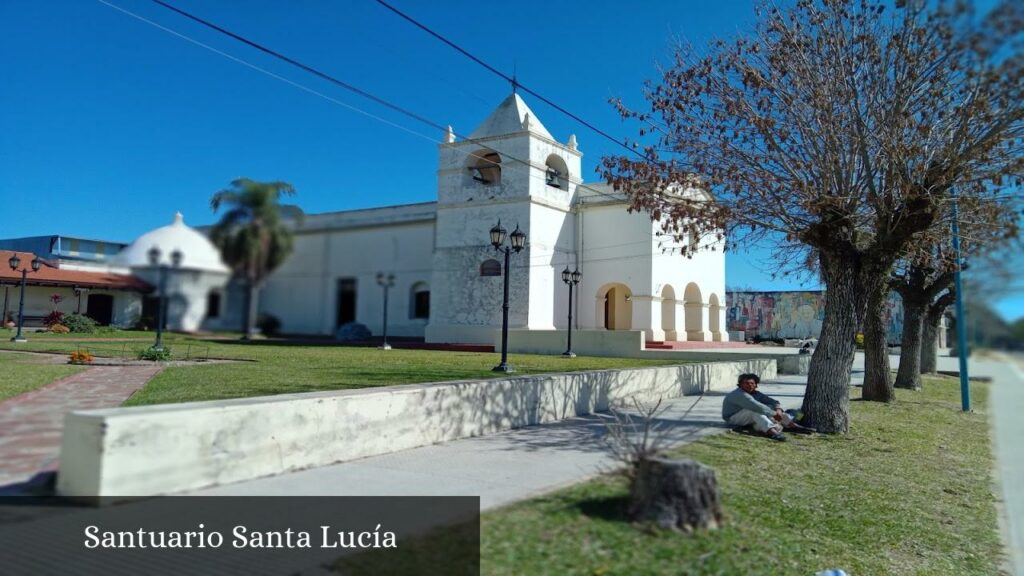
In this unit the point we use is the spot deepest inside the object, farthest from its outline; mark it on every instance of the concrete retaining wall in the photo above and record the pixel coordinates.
(614, 343)
(170, 448)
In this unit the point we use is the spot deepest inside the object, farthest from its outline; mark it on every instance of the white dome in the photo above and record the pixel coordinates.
(198, 253)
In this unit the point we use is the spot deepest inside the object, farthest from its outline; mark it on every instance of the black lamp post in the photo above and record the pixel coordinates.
(517, 240)
(154, 260)
(385, 282)
(14, 262)
(571, 279)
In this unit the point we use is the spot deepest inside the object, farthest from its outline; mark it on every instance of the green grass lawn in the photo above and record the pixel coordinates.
(20, 373)
(279, 368)
(908, 491)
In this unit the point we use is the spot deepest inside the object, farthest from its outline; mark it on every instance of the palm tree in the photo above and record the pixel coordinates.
(251, 236)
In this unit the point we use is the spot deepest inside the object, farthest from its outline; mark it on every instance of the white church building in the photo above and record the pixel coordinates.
(448, 279)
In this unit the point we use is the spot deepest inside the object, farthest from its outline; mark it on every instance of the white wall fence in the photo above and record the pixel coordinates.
(171, 448)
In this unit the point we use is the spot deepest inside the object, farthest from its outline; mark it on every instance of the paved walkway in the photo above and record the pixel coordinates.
(1007, 405)
(30, 424)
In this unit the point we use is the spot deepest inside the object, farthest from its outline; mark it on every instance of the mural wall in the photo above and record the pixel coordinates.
(791, 314)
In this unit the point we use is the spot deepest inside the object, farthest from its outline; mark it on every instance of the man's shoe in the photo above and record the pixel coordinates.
(777, 436)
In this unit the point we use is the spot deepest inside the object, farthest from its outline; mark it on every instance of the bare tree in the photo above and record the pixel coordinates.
(924, 280)
(954, 123)
(813, 133)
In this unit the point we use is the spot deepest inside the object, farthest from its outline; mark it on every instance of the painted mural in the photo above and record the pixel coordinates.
(791, 314)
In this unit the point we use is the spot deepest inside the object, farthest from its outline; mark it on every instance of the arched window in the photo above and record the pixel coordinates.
(485, 167)
(490, 268)
(557, 173)
(419, 300)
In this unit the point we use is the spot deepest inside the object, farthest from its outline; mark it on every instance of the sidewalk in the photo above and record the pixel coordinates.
(32, 422)
(500, 468)
(1007, 405)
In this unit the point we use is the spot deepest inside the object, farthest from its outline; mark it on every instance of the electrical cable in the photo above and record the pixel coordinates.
(512, 79)
(333, 80)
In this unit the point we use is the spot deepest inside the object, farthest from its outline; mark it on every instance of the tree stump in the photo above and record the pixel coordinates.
(675, 494)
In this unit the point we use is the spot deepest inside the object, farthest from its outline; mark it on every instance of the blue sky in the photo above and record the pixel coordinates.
(111, 124)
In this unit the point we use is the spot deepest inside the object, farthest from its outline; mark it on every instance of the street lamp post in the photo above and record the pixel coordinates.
(154, 260)
(14, 262)
(385, 282)
(571, 279)
(517, 240)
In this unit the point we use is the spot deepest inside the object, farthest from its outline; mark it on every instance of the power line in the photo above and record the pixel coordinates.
(329, 78)
(302, 66)
(507, 78)
(267, 72)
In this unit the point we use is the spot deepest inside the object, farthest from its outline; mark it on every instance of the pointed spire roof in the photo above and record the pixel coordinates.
(511, 116)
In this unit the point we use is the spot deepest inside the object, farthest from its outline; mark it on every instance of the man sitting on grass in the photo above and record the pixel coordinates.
(745, 406)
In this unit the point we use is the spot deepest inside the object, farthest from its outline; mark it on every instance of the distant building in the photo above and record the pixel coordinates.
(114, 283)
(75, 276)
(792, 314)
(67, 252)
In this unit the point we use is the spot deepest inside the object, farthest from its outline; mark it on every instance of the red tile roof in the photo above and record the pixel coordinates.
(50, 275)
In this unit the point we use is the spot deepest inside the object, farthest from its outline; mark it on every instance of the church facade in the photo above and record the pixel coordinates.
(448, 279)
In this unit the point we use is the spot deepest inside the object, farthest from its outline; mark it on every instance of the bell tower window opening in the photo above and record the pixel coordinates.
(485, 168)
(556, 172)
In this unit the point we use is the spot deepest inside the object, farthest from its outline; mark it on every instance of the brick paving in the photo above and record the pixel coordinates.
(31, 424)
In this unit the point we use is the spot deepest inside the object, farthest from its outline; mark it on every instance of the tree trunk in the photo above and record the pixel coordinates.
(877, 372)
(909, 373)
(675, 494)
(930, 339)
(251, 306)
(826, 403)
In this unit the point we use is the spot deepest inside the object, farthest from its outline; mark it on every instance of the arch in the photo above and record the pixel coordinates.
(484, 167)
(556, 172)
(693, 312)
(668, 312)
(419, 300)
(490, 267)
(615, 307)
(715, 317)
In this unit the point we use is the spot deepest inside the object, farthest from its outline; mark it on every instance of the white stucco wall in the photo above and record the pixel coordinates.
(552, 248)
(616, 249)
(303, 292)
(170, 448)
(187, 290)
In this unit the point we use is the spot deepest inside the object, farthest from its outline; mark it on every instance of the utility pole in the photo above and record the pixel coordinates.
(961, 318)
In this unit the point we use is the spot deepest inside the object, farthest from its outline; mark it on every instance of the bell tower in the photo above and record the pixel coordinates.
(510, 169)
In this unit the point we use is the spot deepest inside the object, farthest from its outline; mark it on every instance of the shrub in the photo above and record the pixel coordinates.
(55, 317)
(352, 332)
(81, 357)
(59, 329)
(859, 341)
(144, 323)
(155, 354)
(268, 324)
(80, 323)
